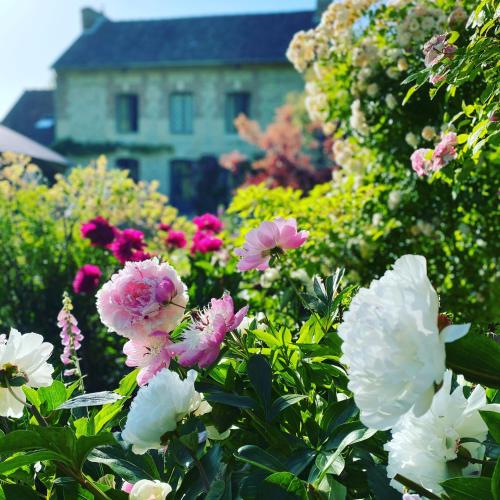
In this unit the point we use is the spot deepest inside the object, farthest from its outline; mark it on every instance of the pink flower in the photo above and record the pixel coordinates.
(127, 487)
(231, 160)
(445, 151)
(437, 48)
(419, 163)
(129, 246)
(208, 222)
(162, 226)
(269, 238)
(205, 242)
(434, 79)
(99, 231)
(71, 336)
(176, 239)
(151, 353)
(142, 297)
(202, 340)
(87, 279)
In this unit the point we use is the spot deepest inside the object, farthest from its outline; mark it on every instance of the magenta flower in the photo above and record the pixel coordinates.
(141, 298)
(87, 279)
(99, 231)
(127, 487)
(202, 340)
(205, 242)
(268, 239)
(445, 151)
(129, 246)
(151, 353)
(176, 239)
(71, 336)
(438, 48)
(420, 162)
(162, 226)
(208, 222)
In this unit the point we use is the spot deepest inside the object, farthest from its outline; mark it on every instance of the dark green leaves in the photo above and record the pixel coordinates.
(260, 375)
(283, 485)
(259, 458)
(468, 488)
(492, 420)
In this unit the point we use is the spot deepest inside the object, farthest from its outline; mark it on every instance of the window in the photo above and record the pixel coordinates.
(181, 113)
(236, 103)
(127, 113)
(131, 165)
(183, 185)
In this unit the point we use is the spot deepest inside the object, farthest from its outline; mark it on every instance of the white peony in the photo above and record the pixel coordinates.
(425, 449)
(23, 361)
(392, 347)
(159, 406)
(149, 490)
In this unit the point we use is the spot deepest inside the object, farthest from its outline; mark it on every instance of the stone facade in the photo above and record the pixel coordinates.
(85, 110)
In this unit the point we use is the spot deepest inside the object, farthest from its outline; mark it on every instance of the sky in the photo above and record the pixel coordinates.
(35, 33)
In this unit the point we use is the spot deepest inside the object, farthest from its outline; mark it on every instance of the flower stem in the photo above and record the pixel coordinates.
(415, 487)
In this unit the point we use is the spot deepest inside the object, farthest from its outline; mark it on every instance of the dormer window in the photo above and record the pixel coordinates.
(127, 113)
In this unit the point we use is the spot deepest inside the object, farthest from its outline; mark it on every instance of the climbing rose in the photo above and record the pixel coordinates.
(445, 151)
(419, 163)
(276, 236)
(142, 297)
(149, 490)
(99, 231)
(151, 353)
(392, 346)
(202, 340)
(23, 361)
(176, 239)
(87, 279)
(205, 242)
(159, 406)
(208, 222)
(437, 48)
(423, 448)
(129, 246)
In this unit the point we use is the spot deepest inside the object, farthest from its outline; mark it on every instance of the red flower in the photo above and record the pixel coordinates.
(208, 222)
(87, 279)
(176, 239)
(129, 246)
(99, 231)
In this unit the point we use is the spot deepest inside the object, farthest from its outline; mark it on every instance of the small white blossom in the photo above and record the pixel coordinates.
(411, 139)
(394, 199)
(149, 490)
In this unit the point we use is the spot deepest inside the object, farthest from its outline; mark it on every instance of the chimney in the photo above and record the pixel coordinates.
(91, 18)
(321, 6)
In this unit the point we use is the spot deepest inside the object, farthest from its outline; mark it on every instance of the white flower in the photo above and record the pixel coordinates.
(394, 199)
(23, 361)
(411, 139)
(391, 101)
(425, 449)
(268, 277)
(149, 490)
(428, 133)
(372, 89)
(158, 407)
(392, 347)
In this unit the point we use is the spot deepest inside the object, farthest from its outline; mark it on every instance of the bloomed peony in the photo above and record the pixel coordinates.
(425, 449)
(278, 235)
(202, 340)
(392, 346)
(142, 297)
(149, 490)
(23, 361)
(159, 406)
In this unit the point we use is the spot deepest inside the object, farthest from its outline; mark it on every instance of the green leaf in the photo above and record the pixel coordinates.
(92, 399)
(19, 441)
(260, 375)
(338, 413)
(226, 398)
(410, 92)
(468, 488)
(86, 444)
(53, 396)
(495, 482)
(14, 463)
(283, 485)
(259, 458)
(18, 492)
(284, 402)
(492, 420)
(477, 357)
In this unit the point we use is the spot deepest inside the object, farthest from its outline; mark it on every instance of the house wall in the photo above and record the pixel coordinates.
(85, 109)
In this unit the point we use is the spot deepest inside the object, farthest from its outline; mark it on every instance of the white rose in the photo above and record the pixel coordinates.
(394, 199)
(402, 64)
(372, 89)
(391, 101)
(421, 448)
(428, 133)
(392, 347)
(149, 490)
(23, 361)
(411, 139)
(158, 407)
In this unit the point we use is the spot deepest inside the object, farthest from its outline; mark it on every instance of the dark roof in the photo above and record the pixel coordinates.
(33, 116)
(231, 39)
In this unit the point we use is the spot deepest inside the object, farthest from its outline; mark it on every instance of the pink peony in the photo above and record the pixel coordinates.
(205, 242)
(176, 239)
(142, 297)
(208, 222)
(129, 246)
(445, 151)
(99, 231)
(202, 340)
(87, 279)
(270, 237)
(419, 163)
(151, 353)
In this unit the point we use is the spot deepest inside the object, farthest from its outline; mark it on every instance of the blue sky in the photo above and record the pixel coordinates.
(35, 32)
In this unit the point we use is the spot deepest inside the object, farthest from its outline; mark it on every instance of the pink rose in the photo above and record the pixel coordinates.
(445, 151)
(260, 243)
(142, 297)
(419, 163)
(202, 340)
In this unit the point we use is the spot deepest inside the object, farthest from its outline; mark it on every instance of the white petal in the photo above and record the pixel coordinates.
(454, 332)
